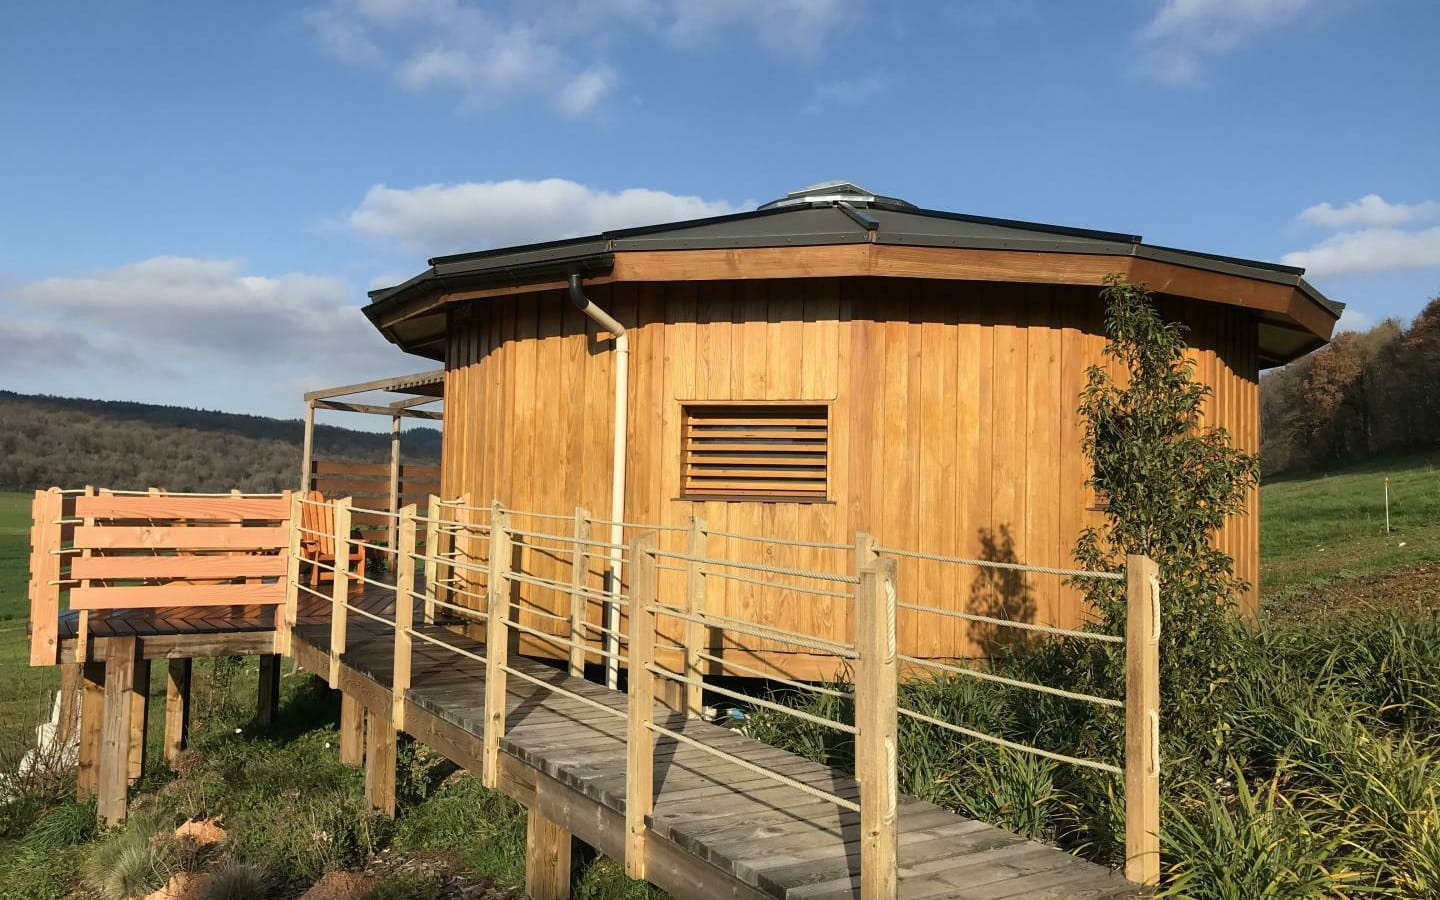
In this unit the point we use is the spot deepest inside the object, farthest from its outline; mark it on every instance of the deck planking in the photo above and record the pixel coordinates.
(763, 837)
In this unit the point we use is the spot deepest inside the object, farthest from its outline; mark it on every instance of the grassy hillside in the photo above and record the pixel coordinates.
(1325, 529)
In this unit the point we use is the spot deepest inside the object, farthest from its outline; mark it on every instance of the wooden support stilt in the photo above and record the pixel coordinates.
(69, 720)
(117, 731)
(139, 718)
(92, 717)
(380, 762)
(177, 709)
(352, 731)
(268, 700)
(547, 859)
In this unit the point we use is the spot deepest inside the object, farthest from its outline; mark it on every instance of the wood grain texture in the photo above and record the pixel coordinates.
(952, 429)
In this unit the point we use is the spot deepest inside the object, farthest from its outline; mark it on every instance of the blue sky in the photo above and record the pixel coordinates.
(199, 194)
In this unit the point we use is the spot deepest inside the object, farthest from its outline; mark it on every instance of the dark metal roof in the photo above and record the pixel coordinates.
(827, 214)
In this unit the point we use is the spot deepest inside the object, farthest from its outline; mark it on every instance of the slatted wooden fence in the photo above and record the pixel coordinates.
(378, 486)
(109, 551)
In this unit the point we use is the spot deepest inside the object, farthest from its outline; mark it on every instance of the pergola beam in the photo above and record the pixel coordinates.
(398, 384)
(343, 406)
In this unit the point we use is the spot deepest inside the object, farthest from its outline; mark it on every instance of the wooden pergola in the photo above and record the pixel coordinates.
(417, 390)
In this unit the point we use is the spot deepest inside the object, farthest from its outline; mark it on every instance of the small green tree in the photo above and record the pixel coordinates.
(1170, 484)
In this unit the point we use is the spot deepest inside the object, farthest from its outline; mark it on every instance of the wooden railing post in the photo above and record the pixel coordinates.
(696, 634)
(1142, 720)
(290, 612)
(579, 603)
(404, 612)
(876, 738)
(45, 569)
(639, 737)
(432, 552)
(340, 588)
(497, 641)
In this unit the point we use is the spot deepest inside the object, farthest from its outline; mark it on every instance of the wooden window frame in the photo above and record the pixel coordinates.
(686, 408)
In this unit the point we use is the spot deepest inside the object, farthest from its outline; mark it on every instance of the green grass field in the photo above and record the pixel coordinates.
(1321, 530)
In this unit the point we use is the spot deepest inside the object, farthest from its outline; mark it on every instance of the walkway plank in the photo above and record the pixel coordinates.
(751, 833)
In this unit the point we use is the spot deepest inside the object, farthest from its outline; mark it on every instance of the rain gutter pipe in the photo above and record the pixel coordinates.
(608, 323)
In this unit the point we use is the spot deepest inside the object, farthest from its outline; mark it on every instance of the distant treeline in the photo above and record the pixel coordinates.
(1367, 393)
(47, 441)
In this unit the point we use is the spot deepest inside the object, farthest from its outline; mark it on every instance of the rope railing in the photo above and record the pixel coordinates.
(496, 553)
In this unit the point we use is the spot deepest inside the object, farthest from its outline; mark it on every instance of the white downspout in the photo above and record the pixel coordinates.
(617, 470)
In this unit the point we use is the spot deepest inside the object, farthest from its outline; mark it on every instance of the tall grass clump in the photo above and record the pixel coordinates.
(1301, 760)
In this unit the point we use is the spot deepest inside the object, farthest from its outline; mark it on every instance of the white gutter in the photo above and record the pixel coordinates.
(617, 470)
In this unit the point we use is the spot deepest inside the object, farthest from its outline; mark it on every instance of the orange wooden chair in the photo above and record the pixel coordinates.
(317, 543)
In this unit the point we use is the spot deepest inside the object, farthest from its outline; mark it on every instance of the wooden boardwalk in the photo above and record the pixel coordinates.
(718, 830)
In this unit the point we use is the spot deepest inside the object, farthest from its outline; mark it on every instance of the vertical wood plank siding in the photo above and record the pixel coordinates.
(953, 426)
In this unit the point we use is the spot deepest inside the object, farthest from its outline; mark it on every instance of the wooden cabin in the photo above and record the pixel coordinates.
(833, 362)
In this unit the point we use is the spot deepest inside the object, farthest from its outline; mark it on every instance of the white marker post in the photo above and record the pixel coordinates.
(1387, 504)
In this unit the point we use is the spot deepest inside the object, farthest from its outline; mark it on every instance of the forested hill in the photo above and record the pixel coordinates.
(1369, 393)
(48, 441)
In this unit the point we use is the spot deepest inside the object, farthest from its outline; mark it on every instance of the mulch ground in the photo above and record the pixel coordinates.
(1415, 590)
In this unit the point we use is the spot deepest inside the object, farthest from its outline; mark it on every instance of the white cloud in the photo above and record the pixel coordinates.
(183, 314)
(499, 52)
(1371, 210)
(1370, 250)
(1354, 320)
(1184, 32)
(442, 218)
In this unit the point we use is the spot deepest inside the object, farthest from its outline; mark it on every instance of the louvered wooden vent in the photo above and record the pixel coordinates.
(756, 452)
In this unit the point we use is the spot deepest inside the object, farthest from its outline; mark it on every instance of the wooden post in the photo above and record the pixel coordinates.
(177, 709)
(307, 449)
(380, 762)
(139, 717)
(639, 737)
(876, 739)
(267, 699)
(392, 532)
(69, 719)
(340, 593)
(696, 634)
(404, 613)
(352, 730)
(1142, 720)
(117, 730)
(579, 604)
(432, 552)
(290, 613)
(46, 511)
(547, 859)
(497, 641)
(92, 717)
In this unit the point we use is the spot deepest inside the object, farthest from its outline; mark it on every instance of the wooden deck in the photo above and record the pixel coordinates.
(718, 830)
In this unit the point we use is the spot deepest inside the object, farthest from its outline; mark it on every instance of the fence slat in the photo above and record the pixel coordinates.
(1142, 720)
